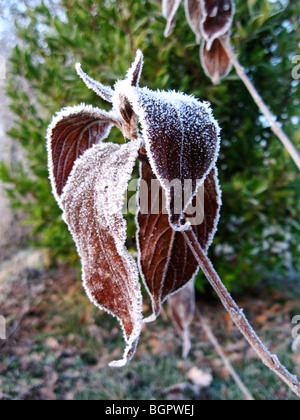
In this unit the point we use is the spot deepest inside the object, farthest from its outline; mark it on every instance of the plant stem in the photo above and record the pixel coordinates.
(275, 126)
(237, 315)
(224, 358)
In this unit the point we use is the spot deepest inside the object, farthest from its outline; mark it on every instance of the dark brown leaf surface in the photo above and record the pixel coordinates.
(217, 17)
(182, 142)
(166, 262)
(92, 201)
(215, 62)
(73, 131)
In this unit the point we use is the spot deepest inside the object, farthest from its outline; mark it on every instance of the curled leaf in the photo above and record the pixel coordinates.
(182, 307)
(121, 104)
(134, 73)
(166, 262)
(92, 202)
(215, 61)
(105, 92)
(181, 137)
(169, 10)
(73, 131)
(217, 18)
(182, 143)
(193, 14)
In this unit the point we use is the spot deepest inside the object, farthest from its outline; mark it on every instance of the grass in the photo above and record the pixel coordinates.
(63, 345)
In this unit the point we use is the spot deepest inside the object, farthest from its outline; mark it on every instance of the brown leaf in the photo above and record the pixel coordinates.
(182, 143)
(169, 10)
(182, 311)
(92, 201)
(193, 13)
(73, 131)
(166, 262)
(215, 62)
(217, 17)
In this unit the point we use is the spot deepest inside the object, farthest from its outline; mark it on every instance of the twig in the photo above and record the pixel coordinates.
(237, 315)
(275, 126)
(226, 361)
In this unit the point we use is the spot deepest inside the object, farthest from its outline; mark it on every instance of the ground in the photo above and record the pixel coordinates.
(59, 345)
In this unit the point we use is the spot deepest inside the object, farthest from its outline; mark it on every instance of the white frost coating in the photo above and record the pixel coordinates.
(105, 92)
(111, 181)
(210, 39)
(67, 112)
(135, 70)
(169, 10)
(143, 100)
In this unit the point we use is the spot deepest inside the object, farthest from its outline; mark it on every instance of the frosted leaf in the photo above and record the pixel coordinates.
(169, 10)
(73, 131)
(92, 202)
(105, 92)
(215, 62)
(181, 139)
(134, 73)
(217, 18)
(121, 103)
(166, 262)
(193, 13)
(182, 308)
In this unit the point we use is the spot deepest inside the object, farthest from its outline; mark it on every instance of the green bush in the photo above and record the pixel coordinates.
(259, 232)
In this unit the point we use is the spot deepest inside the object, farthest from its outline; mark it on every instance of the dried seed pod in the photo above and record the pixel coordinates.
(217, 18)
(215, 61)
(193, 12)
(169, 10)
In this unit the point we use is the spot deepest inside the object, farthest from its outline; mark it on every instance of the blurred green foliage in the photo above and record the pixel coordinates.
(259, 232)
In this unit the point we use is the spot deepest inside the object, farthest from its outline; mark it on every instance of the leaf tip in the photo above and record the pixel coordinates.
(150, 318)
(134, 72)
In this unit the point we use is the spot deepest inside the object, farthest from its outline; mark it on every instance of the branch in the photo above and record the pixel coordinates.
(223, 356)
(237, 315)
(275, 126)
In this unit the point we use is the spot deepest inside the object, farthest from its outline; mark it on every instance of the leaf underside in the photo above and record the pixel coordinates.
(166, 262)
(169, 10)
(194, 14)
(92, 202)
(73, 131)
